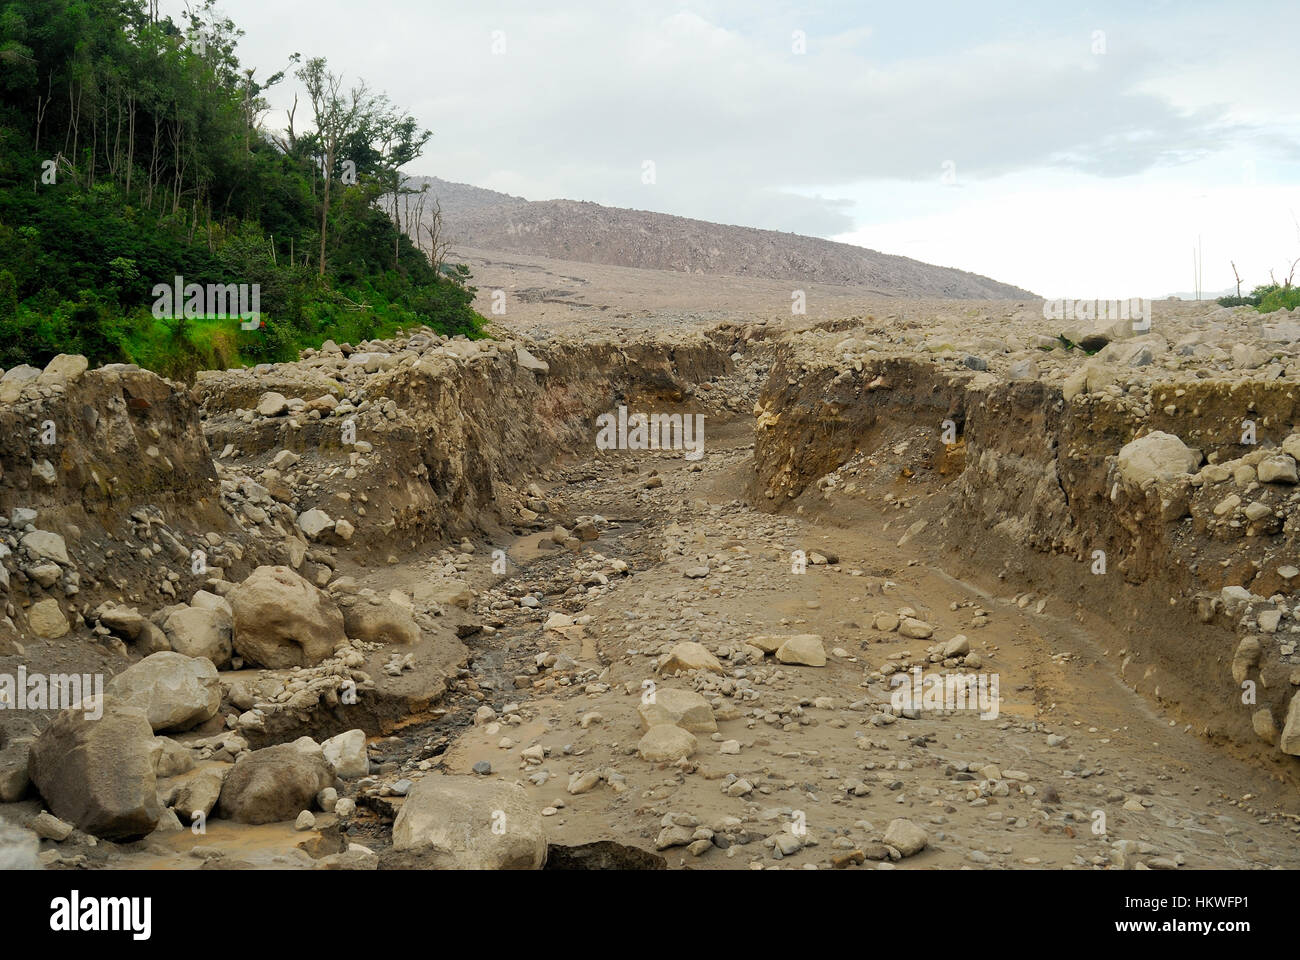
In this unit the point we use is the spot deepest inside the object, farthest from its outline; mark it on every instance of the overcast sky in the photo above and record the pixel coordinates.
(1079, 152)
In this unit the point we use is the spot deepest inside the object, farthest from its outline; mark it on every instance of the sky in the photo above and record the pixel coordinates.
(1084, 150)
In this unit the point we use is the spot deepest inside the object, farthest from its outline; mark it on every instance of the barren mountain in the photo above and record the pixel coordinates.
(591, 233)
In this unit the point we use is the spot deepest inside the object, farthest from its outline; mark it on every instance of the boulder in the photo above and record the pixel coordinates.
(173, 759)
(46, 619)
(530, 362)
(1157, 456)
(1279, 468)
(1264, 724)
(468, 823)
(199, 794)
(64, 368)
(211, 601)
(1090, 334)
(273, 784)
(454, 593)
(14, 780)
(1289, 742)
(18, 848)
(885, 621)
(50, 827)
(315, 523)
(43, 545)
(281, 620)
(378, 621)
(915, 629)
(176, 692)
(689, 656)
(272, 404)
(906, 837)
(99, 773)
(347, 754)
(803, 649)
(129, 624)
(15, 379)
(958, 646)
(768, 643)
(201, 632)
(665, 742)
(1245, 659)
(679, 708)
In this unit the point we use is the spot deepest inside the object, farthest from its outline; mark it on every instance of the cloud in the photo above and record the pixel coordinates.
(742, 129)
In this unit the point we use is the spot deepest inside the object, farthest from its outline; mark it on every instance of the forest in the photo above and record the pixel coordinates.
(138, 154)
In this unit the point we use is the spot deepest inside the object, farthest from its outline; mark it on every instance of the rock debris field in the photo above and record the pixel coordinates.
(949, 585)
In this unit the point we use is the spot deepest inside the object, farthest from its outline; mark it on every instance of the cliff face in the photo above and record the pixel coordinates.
(1020, 480)
(85, 446)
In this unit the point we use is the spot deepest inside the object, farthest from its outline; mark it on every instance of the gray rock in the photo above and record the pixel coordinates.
(378, 621)
(43, 545)
(315, 523)
(177, 692)
(46, 619)
(199, 794)
(281, 620)
(1156, 456)
(99, 773)
(465, 823)
(347, 754)
(906, 837)
(273, 784)
(202, 632)
(18, 848)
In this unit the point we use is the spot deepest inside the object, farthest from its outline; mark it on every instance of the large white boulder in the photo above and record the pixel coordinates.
(175, 691)
(1156, 456)
(281, 620)
(466, 823)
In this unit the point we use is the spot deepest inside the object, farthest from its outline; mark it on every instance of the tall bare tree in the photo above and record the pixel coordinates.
(439, 242)
(336, 116)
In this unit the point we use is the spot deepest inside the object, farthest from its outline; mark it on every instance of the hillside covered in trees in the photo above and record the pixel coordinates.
(134, 156)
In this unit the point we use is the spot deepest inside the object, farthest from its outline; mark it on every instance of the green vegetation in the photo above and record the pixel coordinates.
(1267, 298)
(1277, 297)
(1238, 301)
(133, 152)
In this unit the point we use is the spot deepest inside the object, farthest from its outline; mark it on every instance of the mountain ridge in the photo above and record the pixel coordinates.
(588, 232)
